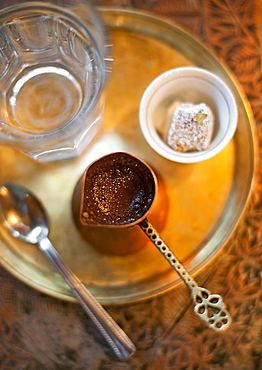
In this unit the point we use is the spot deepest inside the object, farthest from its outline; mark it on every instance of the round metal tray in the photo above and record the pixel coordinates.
(204, 201)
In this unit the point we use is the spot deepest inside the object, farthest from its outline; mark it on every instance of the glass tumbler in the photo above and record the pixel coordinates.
(54, 62)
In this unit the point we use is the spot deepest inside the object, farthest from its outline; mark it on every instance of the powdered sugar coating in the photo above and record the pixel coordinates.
(191, 127)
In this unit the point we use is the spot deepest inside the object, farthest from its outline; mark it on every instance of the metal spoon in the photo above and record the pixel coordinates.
(25, 218)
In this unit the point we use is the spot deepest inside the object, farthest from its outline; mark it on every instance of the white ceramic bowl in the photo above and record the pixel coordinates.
(194, 85)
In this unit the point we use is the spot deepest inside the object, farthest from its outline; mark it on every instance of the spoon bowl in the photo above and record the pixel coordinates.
(22, 214)
(25, 218)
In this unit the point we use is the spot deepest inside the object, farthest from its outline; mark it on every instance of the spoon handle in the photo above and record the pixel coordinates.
(112, 333)
(209, 307)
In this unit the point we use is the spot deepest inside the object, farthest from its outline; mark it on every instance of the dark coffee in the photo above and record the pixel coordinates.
(119, 189)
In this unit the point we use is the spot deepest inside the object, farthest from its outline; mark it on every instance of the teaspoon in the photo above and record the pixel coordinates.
(25, 218)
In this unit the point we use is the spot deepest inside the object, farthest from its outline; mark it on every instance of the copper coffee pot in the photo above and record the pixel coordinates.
(117, 193)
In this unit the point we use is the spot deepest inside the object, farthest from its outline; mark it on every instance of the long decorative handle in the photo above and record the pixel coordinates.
(209, 307)
(112, 333)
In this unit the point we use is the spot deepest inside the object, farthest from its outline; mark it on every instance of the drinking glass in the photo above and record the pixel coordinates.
(54, 63)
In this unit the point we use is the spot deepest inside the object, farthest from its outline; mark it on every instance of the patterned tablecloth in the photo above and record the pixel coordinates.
(41, 332)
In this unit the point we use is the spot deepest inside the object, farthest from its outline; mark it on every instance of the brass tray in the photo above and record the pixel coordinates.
(205, 200)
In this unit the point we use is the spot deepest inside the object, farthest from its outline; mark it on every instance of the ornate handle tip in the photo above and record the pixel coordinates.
(211, 309)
